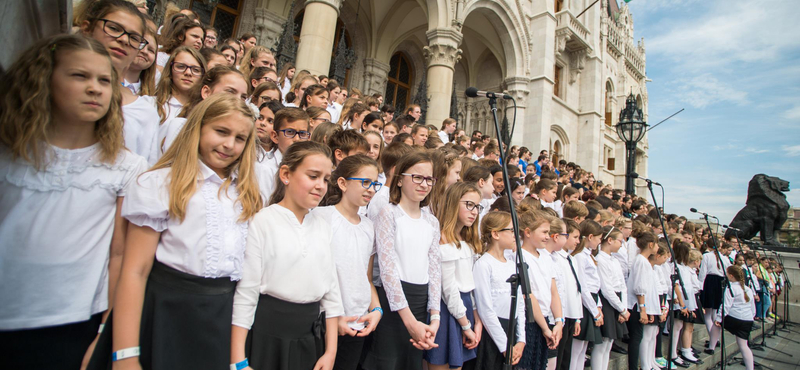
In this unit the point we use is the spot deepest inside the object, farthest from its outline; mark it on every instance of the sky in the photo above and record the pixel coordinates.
(734, 65)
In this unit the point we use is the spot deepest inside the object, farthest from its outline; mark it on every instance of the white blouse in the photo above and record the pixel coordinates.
(735, 303)
(351, 247)
(589, 278)
(141, 128)
(288, 260)
(171, 129)
(571, 305)
(457, 276)
(709, 265)
(688, 285)
(493, 297)
(612, 281)
(56, 227)
(622, 257)
(642, 281)
(408, 250)
(210, 241)
(556, 206)
(162, 58)
(266, 169)
(541, 275)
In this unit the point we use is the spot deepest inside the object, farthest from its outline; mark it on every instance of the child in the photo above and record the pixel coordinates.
(290, 126)
(657, 261)
(684, 306)
(546, 190)
(141, 75)
(299, 86)
(289, 274)
(390, 130)
(546, 303)
(482, 178)
(374, 150)
(315, 96)
(460, 329)
(184, 33)
(493, 292)
(712, 276)
(643, 304)
(613, 296)
(186, 244)
(589, 278)
(60, 154)
(352, 186)
(185, 68)
(739, 311)
(569, 289)
(624, 225)
(407, 240)
(345, 143)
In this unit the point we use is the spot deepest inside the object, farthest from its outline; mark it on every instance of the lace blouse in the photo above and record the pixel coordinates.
(408, 250)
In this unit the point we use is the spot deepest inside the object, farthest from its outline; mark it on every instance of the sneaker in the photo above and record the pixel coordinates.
(661, 361)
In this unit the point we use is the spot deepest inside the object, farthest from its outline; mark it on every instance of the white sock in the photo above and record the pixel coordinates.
(708, 317)
(578, 354)
(747, 353)
(716, 333)
(651, 333)
(687, 352)
(551, 363)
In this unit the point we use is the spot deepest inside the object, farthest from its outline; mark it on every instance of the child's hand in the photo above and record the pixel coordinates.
(577, 329)
(345, 329)
(516, 353)
(372, 320)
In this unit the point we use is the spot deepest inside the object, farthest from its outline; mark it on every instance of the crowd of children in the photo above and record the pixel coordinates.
(168, 201)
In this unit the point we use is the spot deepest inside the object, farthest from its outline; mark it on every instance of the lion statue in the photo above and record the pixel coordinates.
(765, 212)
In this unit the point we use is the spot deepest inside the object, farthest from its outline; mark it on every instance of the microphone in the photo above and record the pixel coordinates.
(473, 92)
(636, 176)
(732, 228)
(694, 210)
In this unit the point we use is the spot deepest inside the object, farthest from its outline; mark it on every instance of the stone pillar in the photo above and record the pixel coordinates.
(375, 76)
(441, 54)
(538, 114)
(590, 119)
(316, 36)
(518, 88)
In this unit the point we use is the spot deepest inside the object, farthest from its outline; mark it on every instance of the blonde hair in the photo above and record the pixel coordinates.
(164, 89)
(695, 255)
(26, 101)
(148, 76)
(183, 156)
(251, 54)
(493, 221)
(448, 216)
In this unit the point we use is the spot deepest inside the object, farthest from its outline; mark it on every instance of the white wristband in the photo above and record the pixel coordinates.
(466, 327)
(100, 328)
(125, 353)
(436, 317)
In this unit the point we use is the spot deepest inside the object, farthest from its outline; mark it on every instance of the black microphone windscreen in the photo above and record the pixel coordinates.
(471, 92)
(693, 210)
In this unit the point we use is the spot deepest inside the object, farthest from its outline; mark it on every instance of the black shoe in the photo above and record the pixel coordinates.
(708, 351)
(679, 362)
(686, 359)
(618, 349)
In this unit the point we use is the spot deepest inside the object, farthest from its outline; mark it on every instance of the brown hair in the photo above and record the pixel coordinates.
(412, 159)
(347, 141)
(442, 162)
(645, 239)
(177, 34)
(147, 77)
(210, 79)
(313, 90)
(323, 132)
(348, 167)
(493, 221)
(264, 86)
(571, 225)
(292, 159)
(286, 115)
(285, 72)
(164, 88)
(530, 218)
(448, 217)
(587, 227)
(254, 53)
(392, 153)
(574, 209)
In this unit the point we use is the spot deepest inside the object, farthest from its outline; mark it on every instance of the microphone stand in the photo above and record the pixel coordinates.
(675, 277)
(725, 285)
(520, 278)
(764, 335)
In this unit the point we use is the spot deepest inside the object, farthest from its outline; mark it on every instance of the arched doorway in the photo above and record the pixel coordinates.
(398, 87)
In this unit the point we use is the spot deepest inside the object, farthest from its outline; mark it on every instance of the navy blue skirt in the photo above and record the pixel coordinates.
(534, 356)
(712, 291)
(451, 350)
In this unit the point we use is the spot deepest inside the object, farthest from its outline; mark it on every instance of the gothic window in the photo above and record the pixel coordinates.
(557, 81)
(609, 105)
(556, 152)
(224, 16)
(398, 88)
(348, 42)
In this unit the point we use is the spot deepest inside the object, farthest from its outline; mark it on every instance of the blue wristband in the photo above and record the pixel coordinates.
(377, 309)
(240, 365)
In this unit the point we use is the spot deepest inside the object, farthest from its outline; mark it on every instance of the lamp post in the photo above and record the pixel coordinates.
(631, 129)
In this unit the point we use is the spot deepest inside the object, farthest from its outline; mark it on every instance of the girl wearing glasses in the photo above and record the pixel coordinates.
(353, 185)
(186, 68)
(589, 278)
(613, 295)
(407, 240)
(461, 327)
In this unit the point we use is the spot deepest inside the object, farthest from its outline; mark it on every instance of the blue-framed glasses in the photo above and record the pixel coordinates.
(367, 183)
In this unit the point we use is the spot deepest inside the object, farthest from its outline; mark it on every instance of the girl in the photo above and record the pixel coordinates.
(352, 186)
(186, 68)
(684, 306)
(289, 275)
(372, 122)
(569, 288)
(460, 329)
(317, 116)
(712, 276)
(265, 92)
(229, 52)
(186, 242)
(299, 86)
(517, 190)
(185, 33)
(543, 335)
(141, 75)
(739, 311)
(493, 292)
(390, 130)
(613, 296)
(482, 178)
(61, 149)
(285, 77)
(324, 131)
(442, 163)
(315, 96)
(407, 238)
(589, 278)
(264, 126)
(353, 115)
(624, 225)
(643, 304)
(256, 56)
(375, 149)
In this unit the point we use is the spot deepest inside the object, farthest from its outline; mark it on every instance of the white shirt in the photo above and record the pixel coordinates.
(541, 275)
(663, 272)
(287, 84)
(622, 258)
(171, 129)
(589, 278)
(162, 58)
(378, 202)
(571, 305)
(493, 297)
(633, 251)
(444, 136)
(457, 277)
(556, 206)
(134, 87)
(140, 128)
(266, 169)
(335, 110)
(736, 305)
(351, 246)
(288, 260)
(171, 110)
(612, 281)
(408, 250)
(56, 227)
(642, 281)
(709, 265)
(210, 240)
(688, 285)
(753, 278)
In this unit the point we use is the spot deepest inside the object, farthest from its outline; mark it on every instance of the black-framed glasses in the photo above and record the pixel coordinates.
(471, 206)
(182, 67)
(418, 179)
(116, 31)
(506, 229)
(291, 133)
(561, 234)
(367, 183)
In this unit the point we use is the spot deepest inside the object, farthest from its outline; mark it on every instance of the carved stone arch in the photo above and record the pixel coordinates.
(559, 135)
(413, 50)
(361, 38)
(386, 39)
(510, 29)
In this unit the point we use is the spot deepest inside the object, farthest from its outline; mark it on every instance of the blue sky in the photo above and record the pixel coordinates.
(735, 66)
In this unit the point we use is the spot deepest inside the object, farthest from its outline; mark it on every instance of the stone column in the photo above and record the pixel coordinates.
(316, 36)
(538, 115)
(375, 76)
(518, 88)
(441, 54)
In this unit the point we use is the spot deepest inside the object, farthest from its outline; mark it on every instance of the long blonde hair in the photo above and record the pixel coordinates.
(148, 76)
(164, 89)
(251, 54)
(448, 216)
(183, 156)
(26, 101)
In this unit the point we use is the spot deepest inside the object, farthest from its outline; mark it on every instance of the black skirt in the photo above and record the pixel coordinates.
(589, 331)
(186, 323)
(285, 335)
(711, 295)
(737, 327)
(612, 328)
(565, 345)
(348, 352)
(489, 357)
(390, 348)
(534, 356)
(52, 347)
(698, 313)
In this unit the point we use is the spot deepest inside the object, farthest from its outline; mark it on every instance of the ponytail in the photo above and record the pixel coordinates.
(746, 297)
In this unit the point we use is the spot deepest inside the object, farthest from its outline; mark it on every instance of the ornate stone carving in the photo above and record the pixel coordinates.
(576, 63)
(268, 27)
(562, 36)
(440, 54)
(375, 76)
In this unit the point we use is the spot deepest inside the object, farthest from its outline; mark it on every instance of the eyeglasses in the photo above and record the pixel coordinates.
(116, 31)
(367, 183)
(471, 206)
(211, 38)
(560, 234)
(291, 133)
(506, 229)
(182, 67)
(418, 179)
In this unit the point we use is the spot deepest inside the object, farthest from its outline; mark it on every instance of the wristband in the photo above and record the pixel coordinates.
(100, 328)
(125, 353)
(560, 319)
(240, 365)
(578, 321)
(466, 327)
(377, 309)
(436, 317)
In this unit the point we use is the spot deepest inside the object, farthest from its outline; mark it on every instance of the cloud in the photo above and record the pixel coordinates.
(704, 90)
(756, 151)
(792, 150)
(793, 113)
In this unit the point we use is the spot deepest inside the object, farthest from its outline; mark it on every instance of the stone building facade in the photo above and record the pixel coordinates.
(569, 70)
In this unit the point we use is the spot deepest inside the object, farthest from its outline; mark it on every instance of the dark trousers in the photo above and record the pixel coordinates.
(565, 346)
(635, 333)
(55, 347)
